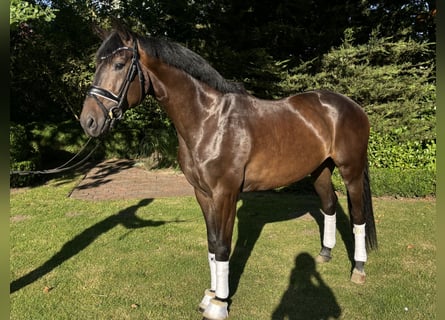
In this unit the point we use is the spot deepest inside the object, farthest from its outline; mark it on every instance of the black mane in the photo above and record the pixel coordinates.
(177, 56)
(182, 58)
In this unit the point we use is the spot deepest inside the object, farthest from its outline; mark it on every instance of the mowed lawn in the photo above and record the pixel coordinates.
(147, 259)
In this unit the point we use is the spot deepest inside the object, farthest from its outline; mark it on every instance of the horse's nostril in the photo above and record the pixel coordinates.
(91, 124)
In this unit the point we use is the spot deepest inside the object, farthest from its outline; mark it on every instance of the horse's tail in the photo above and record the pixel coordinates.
(371, 233)
(368, 212)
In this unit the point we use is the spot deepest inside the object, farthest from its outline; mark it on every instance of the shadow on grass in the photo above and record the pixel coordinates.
(103, 172)
(307, 297)
(261, 208)
(126, 217)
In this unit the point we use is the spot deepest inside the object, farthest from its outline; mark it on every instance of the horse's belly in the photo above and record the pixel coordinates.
(276, 172)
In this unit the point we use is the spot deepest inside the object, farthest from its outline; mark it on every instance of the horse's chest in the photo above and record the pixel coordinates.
(218, 159)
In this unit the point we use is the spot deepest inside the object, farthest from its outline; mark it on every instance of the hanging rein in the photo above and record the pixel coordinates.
(112, 114)
(64, 167)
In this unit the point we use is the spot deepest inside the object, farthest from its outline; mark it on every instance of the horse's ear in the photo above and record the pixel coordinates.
(122, 29)
(124, 33)
(101, 33)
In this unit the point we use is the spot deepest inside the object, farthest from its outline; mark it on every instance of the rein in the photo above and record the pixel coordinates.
(64, 167)
(116, 112)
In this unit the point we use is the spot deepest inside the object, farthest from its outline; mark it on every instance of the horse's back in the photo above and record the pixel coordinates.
(328, 102)
(293, 136)
(346, 119)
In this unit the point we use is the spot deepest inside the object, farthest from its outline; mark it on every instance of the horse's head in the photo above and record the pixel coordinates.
(118, 83)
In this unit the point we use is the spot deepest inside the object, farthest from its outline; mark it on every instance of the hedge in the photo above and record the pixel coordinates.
(396, 182)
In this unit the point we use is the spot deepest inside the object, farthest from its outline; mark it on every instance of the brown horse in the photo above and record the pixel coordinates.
(230, 141)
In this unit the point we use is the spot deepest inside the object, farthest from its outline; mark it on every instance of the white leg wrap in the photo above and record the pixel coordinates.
(212, 265)
(360, 244)
(222, 279)
(329, 230)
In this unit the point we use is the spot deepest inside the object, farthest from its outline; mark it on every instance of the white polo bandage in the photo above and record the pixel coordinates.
(212, 265)
(222, 279)
(360, 243)
(329, 230)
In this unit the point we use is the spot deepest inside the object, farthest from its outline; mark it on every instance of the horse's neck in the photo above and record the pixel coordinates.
(186, 100)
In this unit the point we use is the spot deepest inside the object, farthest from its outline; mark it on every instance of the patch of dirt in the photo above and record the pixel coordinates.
(18, 218)
(125, 179)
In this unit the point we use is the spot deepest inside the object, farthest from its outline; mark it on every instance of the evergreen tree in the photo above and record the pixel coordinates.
(393, 80)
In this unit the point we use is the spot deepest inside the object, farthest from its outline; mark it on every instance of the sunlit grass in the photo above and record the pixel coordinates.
(73, 259)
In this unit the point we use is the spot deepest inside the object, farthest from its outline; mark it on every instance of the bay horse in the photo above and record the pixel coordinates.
(231, 142)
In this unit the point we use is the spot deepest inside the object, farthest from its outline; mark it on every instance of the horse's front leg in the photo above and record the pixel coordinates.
(219, 212)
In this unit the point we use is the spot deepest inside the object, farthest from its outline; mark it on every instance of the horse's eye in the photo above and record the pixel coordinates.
(118, 66)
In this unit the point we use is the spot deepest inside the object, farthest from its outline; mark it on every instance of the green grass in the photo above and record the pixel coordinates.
(147, 259)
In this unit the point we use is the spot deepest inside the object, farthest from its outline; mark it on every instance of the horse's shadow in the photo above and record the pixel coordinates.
(126, 217)
(260, 208)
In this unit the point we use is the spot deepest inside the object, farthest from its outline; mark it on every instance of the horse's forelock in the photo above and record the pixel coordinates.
(109, 45)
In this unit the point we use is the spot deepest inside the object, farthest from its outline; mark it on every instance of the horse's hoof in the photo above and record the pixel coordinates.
(208, 295)
(322, 259)
(216, 310)
(358, 277)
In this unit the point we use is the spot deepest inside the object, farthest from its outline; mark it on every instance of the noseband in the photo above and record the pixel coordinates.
(116, 111)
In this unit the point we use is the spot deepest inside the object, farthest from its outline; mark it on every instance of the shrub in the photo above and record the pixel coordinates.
(22, 156)
(396, 182)
(403, 182)
(67, 136)
(17, 180)
(144, 132)
(387, 151)
(20, 148)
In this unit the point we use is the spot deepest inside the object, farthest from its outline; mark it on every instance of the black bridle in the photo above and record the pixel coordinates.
(116, 111)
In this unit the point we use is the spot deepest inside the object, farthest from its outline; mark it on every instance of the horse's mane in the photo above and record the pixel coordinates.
(179, 57)
(185, 59)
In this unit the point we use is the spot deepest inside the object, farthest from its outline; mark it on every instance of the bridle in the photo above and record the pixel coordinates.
(116, 111)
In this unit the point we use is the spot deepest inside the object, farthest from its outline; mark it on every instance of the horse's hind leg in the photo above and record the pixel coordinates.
(325, 190)
(353, 177)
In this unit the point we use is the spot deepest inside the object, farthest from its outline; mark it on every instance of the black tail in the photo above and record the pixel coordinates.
(371, 234)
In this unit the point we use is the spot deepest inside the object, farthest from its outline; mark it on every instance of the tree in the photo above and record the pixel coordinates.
(394, 80)
(401, 19)
(21, 12)
(51, 61)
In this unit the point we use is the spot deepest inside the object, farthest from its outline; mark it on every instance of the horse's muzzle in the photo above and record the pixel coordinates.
(92, 120)
(90, 126)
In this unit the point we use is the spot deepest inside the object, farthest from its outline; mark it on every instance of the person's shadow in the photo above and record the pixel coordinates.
(261, 208)
(307, 297)
(126, 217)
